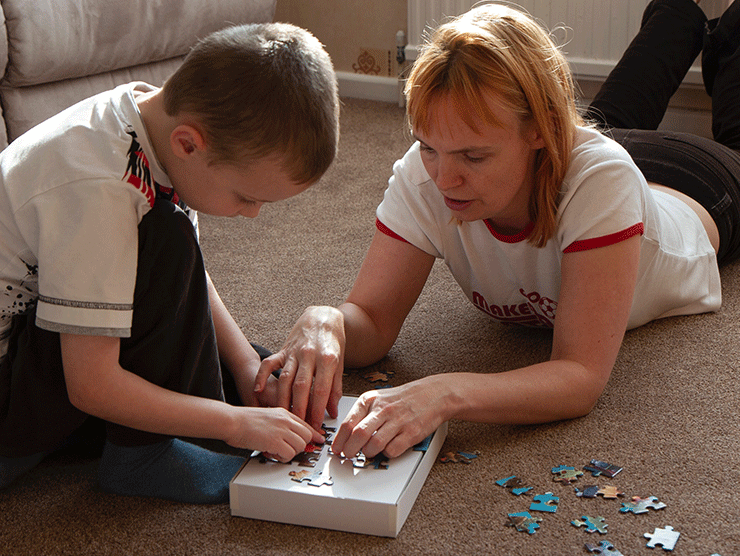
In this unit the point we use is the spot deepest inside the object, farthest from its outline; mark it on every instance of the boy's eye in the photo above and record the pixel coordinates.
(474, 159)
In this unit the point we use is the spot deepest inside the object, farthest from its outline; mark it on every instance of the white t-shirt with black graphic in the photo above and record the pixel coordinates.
(72, 193)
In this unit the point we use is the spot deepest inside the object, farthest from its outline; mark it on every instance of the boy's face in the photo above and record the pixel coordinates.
(232, 190)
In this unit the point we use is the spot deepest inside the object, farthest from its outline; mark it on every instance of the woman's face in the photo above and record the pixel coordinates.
(481, 175)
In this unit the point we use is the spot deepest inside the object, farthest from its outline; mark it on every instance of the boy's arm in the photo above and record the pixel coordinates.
(99, 386)
(234, 349)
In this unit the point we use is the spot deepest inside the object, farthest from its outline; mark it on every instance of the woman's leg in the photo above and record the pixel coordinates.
(635, 95)
(721, 71)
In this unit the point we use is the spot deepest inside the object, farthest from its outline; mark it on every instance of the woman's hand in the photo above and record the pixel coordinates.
(394, 419)
(311, 363)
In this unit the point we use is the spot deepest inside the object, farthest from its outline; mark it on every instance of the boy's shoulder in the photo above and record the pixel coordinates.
(98, 138)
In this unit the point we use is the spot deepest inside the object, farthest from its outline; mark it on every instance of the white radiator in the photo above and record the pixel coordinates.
(594, 32)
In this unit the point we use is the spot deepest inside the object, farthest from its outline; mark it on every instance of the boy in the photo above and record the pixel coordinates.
(108, 310)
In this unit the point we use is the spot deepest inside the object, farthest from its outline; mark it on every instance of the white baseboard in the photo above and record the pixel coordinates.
(369, 87)
(386, 89)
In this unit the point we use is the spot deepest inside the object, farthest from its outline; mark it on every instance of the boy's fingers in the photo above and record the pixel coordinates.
(267, 367)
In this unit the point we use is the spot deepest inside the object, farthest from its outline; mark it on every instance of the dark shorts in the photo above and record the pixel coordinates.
(701, 168)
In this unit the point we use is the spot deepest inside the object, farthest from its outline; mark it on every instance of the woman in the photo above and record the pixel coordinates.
(542, 220)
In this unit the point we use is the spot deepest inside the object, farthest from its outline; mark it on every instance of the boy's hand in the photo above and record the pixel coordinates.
(312, 362)
(273, 430)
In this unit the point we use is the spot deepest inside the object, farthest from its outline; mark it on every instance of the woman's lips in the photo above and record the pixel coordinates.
(455, 205)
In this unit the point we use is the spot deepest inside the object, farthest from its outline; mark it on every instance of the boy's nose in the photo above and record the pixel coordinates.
(251, 210)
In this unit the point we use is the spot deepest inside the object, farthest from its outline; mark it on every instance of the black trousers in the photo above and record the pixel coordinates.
(172, 344)
(633, 100)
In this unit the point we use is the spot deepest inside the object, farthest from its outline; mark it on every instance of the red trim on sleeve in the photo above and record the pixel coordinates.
(603, 241)
(387, 231)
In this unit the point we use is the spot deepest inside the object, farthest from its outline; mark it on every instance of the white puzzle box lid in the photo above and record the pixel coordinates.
(319, 489)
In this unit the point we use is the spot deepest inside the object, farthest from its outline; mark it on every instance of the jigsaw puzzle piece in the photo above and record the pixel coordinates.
(566, 474)
(604, 548)
(328, 433)
(423, 446)
(544, 503)
(610, 492)
(514, 484)
(640, 505)
(588, 492)
(597, 468)
(592, 524)
(524, 522)
(315, 478)
(458, 457)
(378, 376)
(306, 459)
(665, 537)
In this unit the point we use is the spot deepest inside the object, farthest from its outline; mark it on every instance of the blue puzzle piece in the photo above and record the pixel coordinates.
(524, 522)
(514, 484)
(592, 524)
(423, 446)
(544, 503)
(604, 548)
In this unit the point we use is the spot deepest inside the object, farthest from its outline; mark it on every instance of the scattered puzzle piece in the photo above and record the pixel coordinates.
(524, 522)
(458, 457)
(514, 484)
(544, 503)
(597, 468)
(306, 459)
(610, 492)
(592, 524)
(315, 478)
(378, 462)
(328, 433)
(665, 537)
(640, 505)
(423, 446)
(589, 491)
(378, 376)
(565, 474)
(605, 548)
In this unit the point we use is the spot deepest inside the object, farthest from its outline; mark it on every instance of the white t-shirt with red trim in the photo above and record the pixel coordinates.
(72, 193)
(604, 199)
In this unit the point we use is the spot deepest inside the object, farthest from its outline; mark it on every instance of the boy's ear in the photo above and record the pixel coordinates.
(186, 140)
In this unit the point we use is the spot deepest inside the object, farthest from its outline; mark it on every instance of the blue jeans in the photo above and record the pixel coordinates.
(633, 100)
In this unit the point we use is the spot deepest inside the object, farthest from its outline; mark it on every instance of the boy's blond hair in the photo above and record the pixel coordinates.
(261, 90)
(495, 49)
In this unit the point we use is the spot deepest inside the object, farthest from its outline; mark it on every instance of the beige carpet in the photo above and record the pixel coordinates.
(669, 414)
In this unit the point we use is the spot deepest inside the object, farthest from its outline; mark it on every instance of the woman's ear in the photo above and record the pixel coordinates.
(185, 140)
(533, 137)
